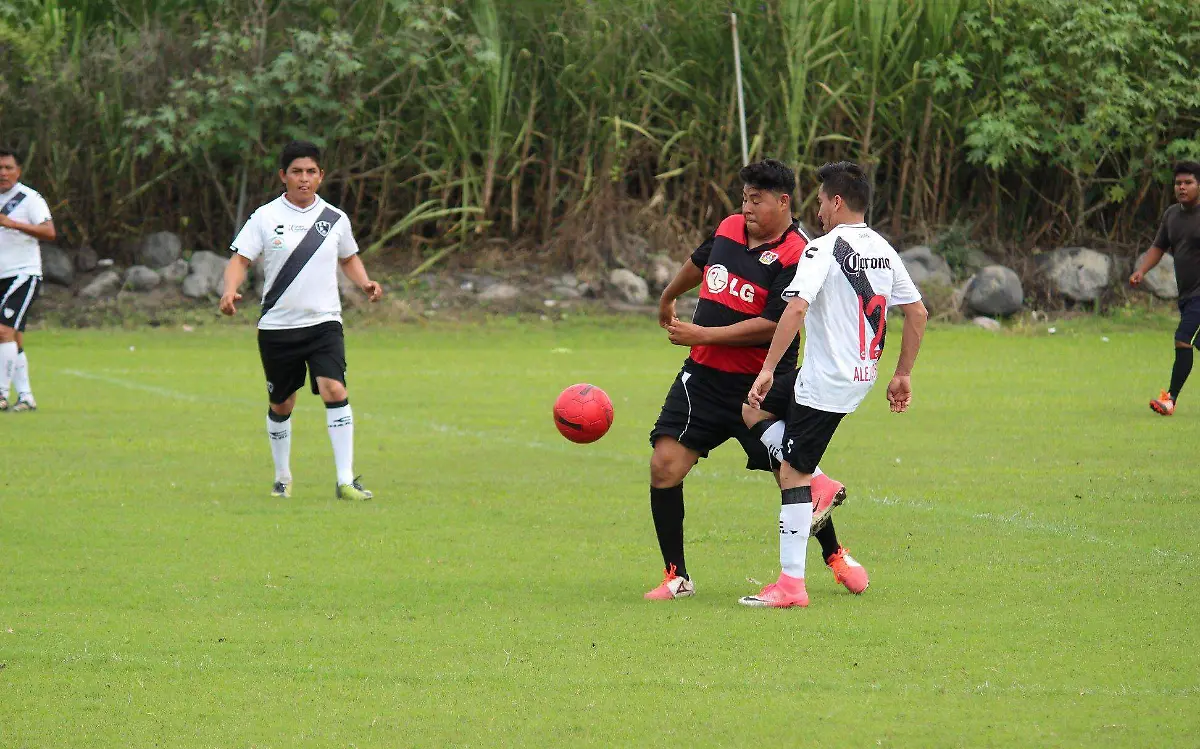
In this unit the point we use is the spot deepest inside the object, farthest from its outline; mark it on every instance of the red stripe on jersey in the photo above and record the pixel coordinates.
(733, 227)
(736, 359)
(732, 291)
(790, 249)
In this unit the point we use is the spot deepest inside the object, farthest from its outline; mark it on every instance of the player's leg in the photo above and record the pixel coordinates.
(1185, 341)
(284, 371)
(10, 290)
(327, 368)
(25, 400)
(767, 426)
(688, 427)
(807, 434)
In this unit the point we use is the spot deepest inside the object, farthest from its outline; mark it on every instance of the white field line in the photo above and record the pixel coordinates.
(1017, 520)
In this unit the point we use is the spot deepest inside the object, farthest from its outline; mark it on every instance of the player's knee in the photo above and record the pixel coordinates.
(752, 415)
(332, 391)
(669, 467)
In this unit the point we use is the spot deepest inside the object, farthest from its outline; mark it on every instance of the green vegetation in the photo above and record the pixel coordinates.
(449, 122)
(1030, 528)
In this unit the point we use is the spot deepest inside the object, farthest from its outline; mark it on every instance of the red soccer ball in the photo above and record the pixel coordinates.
(583, 413)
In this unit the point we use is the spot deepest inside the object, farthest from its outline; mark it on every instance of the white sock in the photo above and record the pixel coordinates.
(340, 421)
(21, 378)
(280, 434)
(772, 437)
(794, 521)
(8, 362)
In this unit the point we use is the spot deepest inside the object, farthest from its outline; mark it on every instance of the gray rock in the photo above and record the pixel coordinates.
(1160, 281)
(141, 278)
(1077, 273)
(995, 291)
(925, 267)
(987, 323)
(631, 287)
(205, 272)
(86, 259)
(105, 284)
(662, 270)
(500, 292)
(57, 266)
(175, 272)
(159, 249)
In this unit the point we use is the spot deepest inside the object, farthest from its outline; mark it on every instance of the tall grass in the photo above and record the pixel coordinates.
(560, 127)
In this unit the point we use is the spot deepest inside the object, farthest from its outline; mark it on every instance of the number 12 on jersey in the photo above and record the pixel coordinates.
(868, 308)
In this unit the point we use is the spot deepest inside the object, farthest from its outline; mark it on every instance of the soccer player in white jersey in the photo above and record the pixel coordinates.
(24, 221)
(302, 240)
(844, 286)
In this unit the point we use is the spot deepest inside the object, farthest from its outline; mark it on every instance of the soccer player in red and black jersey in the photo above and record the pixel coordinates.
(742, 271)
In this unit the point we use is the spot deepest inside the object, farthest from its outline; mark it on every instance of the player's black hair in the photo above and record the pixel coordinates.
(769, 174)
(299, 149)
(847, 179)
(9, 152)
(1183, 167)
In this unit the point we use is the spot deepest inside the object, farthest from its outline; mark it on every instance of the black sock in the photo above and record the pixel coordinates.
(667, 507)
(1181, 370)
(827, 537)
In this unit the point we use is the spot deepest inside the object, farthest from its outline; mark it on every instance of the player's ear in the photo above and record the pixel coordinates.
(282, 176)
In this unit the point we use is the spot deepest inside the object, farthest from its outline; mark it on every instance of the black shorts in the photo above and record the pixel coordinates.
(703, 409)
(286, 354)
(806, 436)
(782, 395)
(17, 294)
(1189, 321)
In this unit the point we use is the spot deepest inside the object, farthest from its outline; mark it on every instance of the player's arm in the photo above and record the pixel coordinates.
(753, 332)
(899, 390)
(689, 277)
(1154, 256)
(357, 272)
(790, 323)
(235, 275)
(43, 232)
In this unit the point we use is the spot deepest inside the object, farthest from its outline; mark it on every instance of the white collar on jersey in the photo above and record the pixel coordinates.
(297, 208)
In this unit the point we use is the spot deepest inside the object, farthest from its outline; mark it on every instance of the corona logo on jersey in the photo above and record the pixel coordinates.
(718, 279)
(853, 263)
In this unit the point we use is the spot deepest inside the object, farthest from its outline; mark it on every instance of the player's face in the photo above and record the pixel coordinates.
(10, 173)
(1187, 189)
(765, 212)
(302, 179)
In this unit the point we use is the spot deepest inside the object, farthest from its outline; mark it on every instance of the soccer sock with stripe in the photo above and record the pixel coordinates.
(1181, 370)
(21, 377)
(770, 433)
(8, 362)
(340, 420)
(795, 517)
(279, 430)
(666, 505)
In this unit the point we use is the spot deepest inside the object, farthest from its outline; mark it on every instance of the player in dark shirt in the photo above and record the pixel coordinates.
(742, 270)
(1179, 234)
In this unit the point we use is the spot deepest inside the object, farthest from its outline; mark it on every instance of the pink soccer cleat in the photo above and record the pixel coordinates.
(1163, 405)
(847, 571)
(781, 594)
(673, 586)
(826, 495)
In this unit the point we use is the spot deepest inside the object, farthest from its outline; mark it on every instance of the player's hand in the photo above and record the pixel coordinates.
(760, 388)
(373, 291)
(1136, 278)
(899, 393)
(666, 312)
(229, 301)
(5, 221)
(687, 334)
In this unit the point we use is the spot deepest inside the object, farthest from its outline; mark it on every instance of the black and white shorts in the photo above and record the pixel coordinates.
(703, 410)
(16, 297)
(288, 354)
(808, 431)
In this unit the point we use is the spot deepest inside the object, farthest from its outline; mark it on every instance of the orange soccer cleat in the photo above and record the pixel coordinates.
(1163, 405)
(847, 571)
(673, 586)
(826, 495)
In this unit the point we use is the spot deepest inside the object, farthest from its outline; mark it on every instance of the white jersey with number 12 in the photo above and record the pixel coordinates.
(849, 277)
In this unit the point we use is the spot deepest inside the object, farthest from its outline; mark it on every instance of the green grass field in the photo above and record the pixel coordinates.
(1031, 531)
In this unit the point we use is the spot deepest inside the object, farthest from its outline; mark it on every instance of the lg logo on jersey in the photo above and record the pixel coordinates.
(718, 279)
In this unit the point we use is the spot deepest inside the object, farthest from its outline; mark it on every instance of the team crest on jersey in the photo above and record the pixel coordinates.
(322, 228)
(277, 243)
(768, 257)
